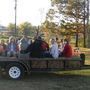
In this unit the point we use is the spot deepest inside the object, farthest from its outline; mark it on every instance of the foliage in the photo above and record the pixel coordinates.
(73, 13)
(52, 28)
(71, 27)
(11, 28)
(25, 28)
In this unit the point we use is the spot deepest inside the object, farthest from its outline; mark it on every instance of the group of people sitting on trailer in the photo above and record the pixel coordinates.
(38, 48)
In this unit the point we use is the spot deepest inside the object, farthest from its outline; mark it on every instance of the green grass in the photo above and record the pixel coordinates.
(85, 72)
(86, 51)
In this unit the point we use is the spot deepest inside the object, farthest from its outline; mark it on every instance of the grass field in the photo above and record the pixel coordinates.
(62, 80)
(70, 80)
(87, 54)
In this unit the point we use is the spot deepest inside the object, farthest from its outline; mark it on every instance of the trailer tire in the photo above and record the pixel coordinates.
(15, 71)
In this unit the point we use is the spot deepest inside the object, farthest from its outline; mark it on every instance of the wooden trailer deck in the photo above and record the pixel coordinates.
(61, 63)
(16, 67)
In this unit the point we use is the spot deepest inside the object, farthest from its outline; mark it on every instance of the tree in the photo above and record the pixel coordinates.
(50, 23)
(11, 28)
(25, 28)
(74, 10)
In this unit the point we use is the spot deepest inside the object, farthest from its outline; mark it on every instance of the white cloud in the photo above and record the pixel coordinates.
(27, 10)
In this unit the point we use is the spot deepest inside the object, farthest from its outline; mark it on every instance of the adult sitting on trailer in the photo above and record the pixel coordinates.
(54, 51)
(67, 52)
(23, 43)
(37, 48)
(12, 47)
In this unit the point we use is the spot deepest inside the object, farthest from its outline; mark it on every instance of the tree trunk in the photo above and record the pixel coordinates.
(76, 39)
(84, 34)
(88, 40)
(88, 31)
(77, 20)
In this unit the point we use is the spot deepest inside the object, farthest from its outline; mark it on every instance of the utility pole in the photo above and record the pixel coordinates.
(88, 31)
(15, 18)
(84, 23)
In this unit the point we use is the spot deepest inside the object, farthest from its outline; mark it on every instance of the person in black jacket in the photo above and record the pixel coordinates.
(35, 48)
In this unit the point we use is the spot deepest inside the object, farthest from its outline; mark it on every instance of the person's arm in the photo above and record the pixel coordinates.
(29, 48)
(47, 46)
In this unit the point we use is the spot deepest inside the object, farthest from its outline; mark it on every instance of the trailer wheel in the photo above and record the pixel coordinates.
(15, 71)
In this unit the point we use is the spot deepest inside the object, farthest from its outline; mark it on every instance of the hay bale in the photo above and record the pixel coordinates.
(55, 64)
(39, 64)
(73, 64)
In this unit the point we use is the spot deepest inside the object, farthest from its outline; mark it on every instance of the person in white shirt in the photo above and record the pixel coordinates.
(54, 52)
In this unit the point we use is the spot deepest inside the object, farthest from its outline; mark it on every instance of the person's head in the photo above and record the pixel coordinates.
(53, 41)
(11, 39)
(39, 38)
(66, 41)
(62, 40)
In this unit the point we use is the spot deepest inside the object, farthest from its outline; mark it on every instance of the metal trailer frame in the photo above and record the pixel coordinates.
(16, 68)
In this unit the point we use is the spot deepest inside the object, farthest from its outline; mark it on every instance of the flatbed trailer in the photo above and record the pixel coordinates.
(16, 68)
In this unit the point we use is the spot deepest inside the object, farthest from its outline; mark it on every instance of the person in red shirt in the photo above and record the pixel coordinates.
(67, 52)
(44, 46)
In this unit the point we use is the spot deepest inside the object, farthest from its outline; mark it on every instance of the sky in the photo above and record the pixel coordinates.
(33, 11)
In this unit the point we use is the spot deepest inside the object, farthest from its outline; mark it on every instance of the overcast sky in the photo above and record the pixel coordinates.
(27, 10)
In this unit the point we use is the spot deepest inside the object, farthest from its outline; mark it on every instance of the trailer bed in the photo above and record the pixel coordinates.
(16, 67)
(61, 63)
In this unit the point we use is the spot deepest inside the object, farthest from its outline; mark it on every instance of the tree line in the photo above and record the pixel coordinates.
(65, 17)
(68, 17)
(25, 28)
